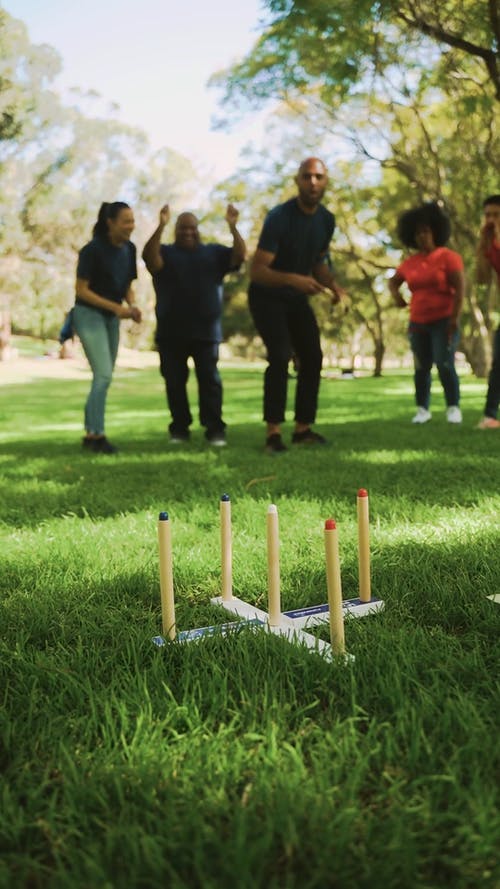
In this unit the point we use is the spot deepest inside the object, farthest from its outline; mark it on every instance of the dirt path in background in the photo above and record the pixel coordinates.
(23, 370)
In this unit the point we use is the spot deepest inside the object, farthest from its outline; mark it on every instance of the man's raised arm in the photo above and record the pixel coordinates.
(239, 247)
(151, 253)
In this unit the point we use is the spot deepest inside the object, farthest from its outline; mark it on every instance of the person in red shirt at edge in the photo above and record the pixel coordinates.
(435, 278)
(487, 261)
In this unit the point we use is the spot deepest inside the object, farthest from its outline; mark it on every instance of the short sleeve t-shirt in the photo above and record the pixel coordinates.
(109, 269)
(298, 241)
(427, 276)
(189, 291)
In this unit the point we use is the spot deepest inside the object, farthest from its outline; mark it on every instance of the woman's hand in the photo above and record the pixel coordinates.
(123, 311)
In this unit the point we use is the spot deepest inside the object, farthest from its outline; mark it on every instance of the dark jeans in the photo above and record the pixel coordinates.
(288, 328)
(493, 394)
(430, 345)
(174, 356)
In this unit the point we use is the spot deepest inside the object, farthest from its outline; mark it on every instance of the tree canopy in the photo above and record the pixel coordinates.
(58, 161)
(340, 46)
(401, 100)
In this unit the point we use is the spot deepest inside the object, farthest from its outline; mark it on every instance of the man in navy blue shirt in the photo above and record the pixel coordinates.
(187, 277)
(292, 263)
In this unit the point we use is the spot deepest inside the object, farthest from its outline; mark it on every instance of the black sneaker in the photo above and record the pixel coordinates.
(216, 439)
(308, 437)
(177, 438)
(103, 446)
(274, 444)
(88, 443)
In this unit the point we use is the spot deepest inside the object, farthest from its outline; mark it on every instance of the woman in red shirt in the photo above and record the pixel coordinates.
(435, 277)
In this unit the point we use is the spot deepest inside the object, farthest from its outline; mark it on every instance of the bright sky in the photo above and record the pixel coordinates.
(153, 58)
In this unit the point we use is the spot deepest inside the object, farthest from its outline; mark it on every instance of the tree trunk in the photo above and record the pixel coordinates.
(476, 342)
(378, 354)
(5, 331)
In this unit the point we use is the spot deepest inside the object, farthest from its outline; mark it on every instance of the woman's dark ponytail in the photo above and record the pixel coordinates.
(107, 211)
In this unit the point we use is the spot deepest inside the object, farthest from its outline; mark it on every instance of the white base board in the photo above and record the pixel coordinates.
(319, 614)
(286, 627)
(217, 630)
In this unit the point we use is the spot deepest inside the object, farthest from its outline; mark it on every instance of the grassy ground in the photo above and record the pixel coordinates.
(246, 763)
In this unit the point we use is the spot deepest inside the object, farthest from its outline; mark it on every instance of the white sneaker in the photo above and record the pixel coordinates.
(454, 414)
(422, 415)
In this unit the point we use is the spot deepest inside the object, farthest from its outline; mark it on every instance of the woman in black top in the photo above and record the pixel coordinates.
(104, 295)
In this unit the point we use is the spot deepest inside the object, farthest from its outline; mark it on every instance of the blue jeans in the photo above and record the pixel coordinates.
(493, 395)
(430, 345)
(99, 335)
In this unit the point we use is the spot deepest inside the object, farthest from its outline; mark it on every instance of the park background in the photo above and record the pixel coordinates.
(251, 763)
(401, 100)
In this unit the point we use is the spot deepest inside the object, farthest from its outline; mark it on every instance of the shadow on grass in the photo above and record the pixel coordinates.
(372, 444)
(46, 478)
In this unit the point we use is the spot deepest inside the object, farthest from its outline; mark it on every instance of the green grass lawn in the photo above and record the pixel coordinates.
(247, 762)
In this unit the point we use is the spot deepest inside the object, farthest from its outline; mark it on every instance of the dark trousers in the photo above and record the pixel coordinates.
(174, 356)
(493, 394)
(430, 345)
(288, 328)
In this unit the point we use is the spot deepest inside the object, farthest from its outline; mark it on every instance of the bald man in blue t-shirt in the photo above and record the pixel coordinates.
(187, 277)
(292, 263)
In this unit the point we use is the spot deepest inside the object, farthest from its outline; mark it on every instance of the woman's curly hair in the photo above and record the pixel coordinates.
(430, 215)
